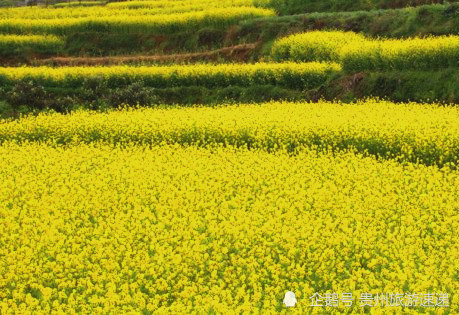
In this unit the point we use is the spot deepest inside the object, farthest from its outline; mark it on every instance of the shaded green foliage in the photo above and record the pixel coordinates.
(286, 7)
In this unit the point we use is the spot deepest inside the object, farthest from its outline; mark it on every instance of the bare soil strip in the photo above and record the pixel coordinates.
(238, 53)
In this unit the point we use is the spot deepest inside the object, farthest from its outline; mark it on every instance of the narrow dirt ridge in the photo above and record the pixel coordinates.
(238, 53)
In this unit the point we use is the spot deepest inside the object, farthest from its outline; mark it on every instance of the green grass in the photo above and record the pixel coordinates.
(286, 7)
(8, 3)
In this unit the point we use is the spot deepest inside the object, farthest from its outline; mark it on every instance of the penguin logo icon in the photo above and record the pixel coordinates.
(289, 299)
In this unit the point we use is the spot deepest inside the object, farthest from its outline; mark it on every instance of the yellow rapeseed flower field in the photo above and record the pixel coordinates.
(222, 209)
(169, 229)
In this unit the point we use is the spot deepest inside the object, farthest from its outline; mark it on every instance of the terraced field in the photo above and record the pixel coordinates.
(245, 149)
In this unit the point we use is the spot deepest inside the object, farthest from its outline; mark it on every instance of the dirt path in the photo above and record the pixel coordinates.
(239, 53)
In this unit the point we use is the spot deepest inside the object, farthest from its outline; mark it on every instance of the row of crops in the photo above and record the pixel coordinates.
(160, 23)
(356, 52)
(291, 74)
(11, 45)
(132, 16)
(426, 134)
(124, 8)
